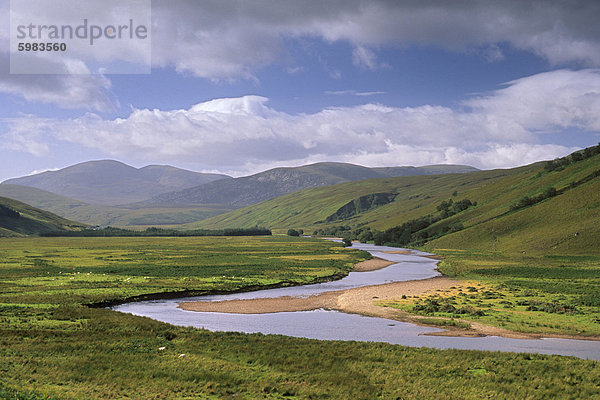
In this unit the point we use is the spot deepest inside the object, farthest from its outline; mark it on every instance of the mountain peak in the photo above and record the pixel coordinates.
(111, 182)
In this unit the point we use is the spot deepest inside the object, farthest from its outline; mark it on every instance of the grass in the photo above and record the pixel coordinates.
(54, 347)
(550, 294)
(88, 270)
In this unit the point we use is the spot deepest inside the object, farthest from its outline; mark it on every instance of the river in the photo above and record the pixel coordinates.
(334, 325)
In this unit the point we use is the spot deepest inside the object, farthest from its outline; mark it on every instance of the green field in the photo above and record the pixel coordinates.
(552, 295)
(91, 270)
(52, 346)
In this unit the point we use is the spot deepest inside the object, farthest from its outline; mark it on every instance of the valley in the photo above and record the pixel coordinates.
(520, 260)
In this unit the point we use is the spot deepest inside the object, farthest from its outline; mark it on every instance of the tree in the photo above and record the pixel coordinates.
(365, 236)
(293, 232)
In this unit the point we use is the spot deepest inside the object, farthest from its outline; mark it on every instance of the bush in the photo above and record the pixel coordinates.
(527, 201)
(293, 232)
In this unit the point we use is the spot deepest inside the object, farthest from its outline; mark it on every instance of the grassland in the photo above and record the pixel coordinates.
(542, 295)
(91, 270)
(52, 346)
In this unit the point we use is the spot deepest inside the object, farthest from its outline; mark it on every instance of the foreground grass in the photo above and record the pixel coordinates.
(552, 295)
(52, 346)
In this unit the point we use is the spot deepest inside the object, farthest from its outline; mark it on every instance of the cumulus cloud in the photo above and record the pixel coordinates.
(498, 129)
(547, 102)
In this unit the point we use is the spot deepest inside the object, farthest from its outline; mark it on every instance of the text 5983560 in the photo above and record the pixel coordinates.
(43, 46)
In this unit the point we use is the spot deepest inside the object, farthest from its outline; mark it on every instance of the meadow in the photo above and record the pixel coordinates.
(530, 293)
(54, 346)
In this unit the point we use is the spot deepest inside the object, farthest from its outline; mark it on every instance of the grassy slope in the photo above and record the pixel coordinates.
(93, 214)
(32, 221)
(537, 269)
(494, 191)
(565, 224)
(547, 227)
(416, 194)
(51, 345)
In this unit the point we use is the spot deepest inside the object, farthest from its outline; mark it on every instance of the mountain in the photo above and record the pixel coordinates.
(93, 214)
(546, 206)
(20, 219)
(109, 182)
(440, 169)
(239, 192)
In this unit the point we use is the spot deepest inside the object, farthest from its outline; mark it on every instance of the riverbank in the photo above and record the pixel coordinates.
(355, 301)
(370, 301)
(373, 264)
(363, 301)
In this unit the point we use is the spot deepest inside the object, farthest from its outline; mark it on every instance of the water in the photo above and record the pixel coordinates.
(333, 325)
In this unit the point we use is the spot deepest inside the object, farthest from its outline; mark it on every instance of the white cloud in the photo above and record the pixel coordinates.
(547, 102)
(41, 171)
(27, 135)
(364, 58)
(498, 129)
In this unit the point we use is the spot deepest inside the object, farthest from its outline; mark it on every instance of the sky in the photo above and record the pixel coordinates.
(238, 87)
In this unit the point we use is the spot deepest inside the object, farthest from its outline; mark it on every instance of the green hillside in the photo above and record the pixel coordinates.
(567, 223)
(415, 196)
(20, 219)
(550, 224)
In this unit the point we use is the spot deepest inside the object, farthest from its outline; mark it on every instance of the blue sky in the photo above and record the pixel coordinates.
(239, 87)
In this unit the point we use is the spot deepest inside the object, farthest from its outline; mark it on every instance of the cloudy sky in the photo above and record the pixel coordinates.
(241, 86)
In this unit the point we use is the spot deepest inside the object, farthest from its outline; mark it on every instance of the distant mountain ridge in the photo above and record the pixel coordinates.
(239, 192)
(94, 214)
(109, 182)
(112, 193)
(545, 207)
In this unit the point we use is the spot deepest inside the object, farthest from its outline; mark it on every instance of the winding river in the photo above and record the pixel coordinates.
(334, 325)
